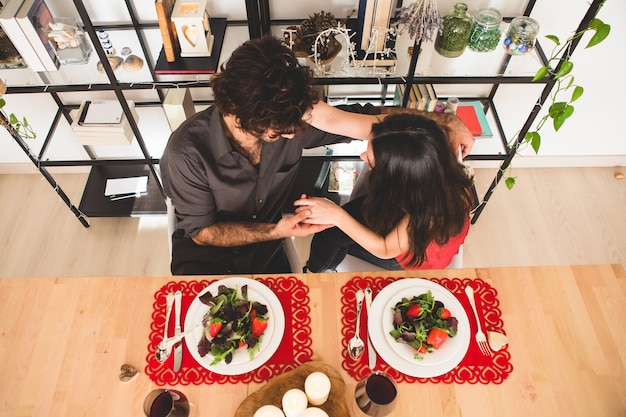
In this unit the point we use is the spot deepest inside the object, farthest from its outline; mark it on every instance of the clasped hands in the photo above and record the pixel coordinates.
(312, 215)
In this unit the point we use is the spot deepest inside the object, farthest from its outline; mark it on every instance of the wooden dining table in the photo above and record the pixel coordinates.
(63, 341)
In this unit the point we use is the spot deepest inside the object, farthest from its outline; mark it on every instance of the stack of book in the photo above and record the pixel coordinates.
(473, 116)
(103, 123)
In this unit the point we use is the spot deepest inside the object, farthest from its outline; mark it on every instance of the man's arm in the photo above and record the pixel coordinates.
(340, 122)
(231, 234)
(359, 125)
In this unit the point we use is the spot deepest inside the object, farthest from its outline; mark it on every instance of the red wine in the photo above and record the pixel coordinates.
(380, 390)
(162, 405)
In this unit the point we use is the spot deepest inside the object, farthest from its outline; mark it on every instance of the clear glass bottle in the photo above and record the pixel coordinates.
(520, 37)
(486, 33)
(457, 26)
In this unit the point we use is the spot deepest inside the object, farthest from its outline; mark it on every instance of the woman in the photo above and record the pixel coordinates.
(416, 212)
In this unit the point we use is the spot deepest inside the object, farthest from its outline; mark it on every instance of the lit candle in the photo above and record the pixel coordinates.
(314, 412)
(317, 388)
(294, 402)
(269, 411)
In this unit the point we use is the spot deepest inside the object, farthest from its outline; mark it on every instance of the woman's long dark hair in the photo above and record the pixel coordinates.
(416, 173)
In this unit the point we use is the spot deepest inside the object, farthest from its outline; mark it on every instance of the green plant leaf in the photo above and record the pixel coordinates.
(601, 30)
(534, 138)
(2, 103)
(554, 39)
(13, 119)
(543, 71)
(562, 117)
(578, 91)
(510, 182)
(566, 68)
(556, 109)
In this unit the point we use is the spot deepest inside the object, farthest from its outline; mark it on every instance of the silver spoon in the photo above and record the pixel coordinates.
(164, 349)
(356, 345)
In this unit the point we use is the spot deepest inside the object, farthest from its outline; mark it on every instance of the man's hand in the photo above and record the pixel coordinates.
(294, 225)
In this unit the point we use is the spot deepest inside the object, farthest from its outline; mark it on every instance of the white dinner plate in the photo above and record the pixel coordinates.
(241, 362)
(401, 356)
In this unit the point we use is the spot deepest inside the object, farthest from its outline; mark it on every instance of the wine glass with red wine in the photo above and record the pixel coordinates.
(166, 403)
(376, 395)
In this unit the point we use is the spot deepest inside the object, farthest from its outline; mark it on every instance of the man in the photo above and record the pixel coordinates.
(229, 168)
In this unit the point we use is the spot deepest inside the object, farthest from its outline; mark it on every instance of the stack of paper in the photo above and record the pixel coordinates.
(121, 188)
(103, 123)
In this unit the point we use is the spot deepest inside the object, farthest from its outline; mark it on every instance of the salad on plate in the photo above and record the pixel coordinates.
(232, 322)
(423, 323)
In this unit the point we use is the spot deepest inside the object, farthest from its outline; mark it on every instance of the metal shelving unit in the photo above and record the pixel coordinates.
(259, 24)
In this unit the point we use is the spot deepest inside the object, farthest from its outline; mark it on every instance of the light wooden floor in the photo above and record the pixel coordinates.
(551, 217)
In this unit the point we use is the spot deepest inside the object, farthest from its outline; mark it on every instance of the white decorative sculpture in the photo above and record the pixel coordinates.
(192, 27)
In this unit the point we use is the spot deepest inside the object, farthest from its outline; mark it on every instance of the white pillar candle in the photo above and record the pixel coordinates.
(317, 388)
(269, 411)
(294, 402)
(314, 412)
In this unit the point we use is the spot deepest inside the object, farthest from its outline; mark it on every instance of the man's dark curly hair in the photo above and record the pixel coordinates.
(263, 86)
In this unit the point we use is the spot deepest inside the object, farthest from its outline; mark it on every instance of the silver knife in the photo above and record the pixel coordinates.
(371, 353)
(178, 350)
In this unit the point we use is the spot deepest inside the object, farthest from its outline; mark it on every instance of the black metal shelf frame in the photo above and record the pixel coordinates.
(259, 24)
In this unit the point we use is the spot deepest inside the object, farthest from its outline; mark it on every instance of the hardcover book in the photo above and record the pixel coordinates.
(467, 115)
(34, 18)
(164, 10)
(17, 37)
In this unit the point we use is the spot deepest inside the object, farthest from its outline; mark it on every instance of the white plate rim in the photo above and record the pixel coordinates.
(385, 299)
(271, 339)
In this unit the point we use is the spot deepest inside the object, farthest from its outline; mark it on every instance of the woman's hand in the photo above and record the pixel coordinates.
(319, 210)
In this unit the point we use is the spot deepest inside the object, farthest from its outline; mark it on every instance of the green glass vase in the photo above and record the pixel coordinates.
(457, 26)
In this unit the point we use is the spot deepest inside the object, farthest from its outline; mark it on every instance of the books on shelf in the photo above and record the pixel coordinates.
(373, 14)
(421, 96)
(18, 38)
(34, 18)
(103, 123)
(432, 97)
(164, 10)
(417, 100)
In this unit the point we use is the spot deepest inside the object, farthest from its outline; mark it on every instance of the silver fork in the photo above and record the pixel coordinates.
(481, 339)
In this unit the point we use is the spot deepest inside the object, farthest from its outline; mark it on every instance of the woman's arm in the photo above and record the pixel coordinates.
(324, 211)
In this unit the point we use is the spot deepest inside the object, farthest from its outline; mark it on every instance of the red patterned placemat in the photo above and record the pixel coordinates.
(474, 368)
(294, 350)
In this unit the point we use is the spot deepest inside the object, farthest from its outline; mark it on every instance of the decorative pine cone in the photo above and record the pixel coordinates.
(312, 26)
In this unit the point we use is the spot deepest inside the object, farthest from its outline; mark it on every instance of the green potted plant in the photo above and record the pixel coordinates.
(565, 92)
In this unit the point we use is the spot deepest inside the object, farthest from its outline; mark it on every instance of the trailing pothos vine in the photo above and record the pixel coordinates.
(561, 108)
(22, 127)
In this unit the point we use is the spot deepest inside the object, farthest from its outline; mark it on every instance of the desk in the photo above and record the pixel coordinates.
(63, 340)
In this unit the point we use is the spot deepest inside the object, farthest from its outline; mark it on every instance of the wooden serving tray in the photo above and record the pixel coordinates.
(272, 393)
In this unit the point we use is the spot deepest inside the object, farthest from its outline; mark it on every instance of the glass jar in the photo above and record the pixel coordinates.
(68, 39)
(520, 38)
(486, 33)
(457, 25)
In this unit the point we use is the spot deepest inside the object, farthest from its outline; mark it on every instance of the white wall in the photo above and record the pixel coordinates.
(593, 136)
